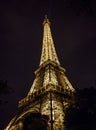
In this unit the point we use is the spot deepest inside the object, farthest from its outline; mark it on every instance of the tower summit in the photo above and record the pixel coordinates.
(48, 49)
(51, 92)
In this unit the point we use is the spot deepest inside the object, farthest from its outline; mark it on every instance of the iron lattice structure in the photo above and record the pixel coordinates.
(51, 92)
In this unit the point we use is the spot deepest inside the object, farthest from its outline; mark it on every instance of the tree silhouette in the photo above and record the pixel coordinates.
(36, 121)
(4, 90)
(82, 115)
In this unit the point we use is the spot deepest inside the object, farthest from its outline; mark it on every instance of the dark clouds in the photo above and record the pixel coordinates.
(73, 25)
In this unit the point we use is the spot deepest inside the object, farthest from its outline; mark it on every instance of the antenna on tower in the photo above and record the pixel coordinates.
(46, 17)
(46, 20)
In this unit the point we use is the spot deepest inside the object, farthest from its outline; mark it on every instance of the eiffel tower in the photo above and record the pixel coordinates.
(51, 92)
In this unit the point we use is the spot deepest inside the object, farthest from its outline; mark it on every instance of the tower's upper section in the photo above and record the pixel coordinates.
(50, 76)
(48, 49)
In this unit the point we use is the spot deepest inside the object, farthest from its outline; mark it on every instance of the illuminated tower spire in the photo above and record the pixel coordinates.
(48, 49)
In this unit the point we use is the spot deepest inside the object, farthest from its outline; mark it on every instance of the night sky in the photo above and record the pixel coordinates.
(73, 25)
